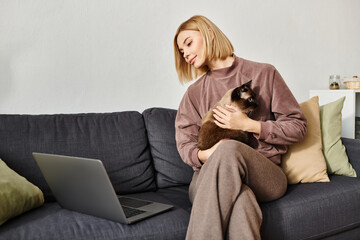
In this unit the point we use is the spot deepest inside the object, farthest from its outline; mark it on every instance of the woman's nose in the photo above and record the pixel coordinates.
(186, 54)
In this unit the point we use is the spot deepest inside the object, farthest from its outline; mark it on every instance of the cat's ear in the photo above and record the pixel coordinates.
(245, 87)
(248, 84)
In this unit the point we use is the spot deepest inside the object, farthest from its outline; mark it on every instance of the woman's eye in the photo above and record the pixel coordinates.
(189, 44)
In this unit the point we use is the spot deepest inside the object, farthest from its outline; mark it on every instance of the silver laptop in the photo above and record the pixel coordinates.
(82, 184)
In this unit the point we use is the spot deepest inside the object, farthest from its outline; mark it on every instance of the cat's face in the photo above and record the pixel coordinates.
(244, 98)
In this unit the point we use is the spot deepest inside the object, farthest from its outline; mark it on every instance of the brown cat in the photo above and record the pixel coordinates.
(241, 97)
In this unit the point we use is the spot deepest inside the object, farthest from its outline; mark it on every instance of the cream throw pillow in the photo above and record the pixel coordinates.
(304, 161)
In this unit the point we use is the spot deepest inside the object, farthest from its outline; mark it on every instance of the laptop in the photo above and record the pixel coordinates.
(82, 185)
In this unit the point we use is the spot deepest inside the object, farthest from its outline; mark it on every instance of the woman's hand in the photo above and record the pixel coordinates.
(203, 155)
(233, 118)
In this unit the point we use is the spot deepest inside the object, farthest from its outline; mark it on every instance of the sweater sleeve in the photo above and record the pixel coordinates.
(187, 124)
(290, 123)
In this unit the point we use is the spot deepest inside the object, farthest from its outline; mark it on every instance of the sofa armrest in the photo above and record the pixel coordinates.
(353, 151)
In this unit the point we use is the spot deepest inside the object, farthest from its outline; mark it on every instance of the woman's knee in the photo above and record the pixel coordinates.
(278, 192)
(275, 190)
(282, 187)
(228, 157)
(230, 146)
(226, 152)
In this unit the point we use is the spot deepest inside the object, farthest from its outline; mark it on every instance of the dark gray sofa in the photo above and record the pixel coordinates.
(140, 156)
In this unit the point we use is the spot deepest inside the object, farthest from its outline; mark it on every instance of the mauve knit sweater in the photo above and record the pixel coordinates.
(282, 121)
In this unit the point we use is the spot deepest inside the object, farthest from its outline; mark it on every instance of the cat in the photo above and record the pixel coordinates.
(243, 98)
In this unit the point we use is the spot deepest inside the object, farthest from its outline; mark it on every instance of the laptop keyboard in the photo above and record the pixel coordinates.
(130, 212)
(129, 206)
(135, 203)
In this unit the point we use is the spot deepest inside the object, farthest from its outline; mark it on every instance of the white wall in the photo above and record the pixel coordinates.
(102, 56)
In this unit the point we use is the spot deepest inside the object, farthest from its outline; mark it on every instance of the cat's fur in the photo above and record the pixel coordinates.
(241, 97)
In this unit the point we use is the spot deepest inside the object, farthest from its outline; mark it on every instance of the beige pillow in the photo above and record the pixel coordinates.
(304, 161)
(17, 195)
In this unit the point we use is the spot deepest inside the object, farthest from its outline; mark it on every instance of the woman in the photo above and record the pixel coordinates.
(231, 178)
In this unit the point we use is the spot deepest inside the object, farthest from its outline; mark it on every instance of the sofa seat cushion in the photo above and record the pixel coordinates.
(53, 222)
(178, 196)
(118, 139)
(313, 210)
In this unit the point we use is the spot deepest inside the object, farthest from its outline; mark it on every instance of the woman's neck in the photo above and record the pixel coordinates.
(219, 63)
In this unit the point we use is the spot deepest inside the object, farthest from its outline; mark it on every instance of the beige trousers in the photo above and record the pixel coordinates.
(226, 191)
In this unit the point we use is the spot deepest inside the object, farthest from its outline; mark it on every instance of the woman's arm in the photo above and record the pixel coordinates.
(187, 124)
(288, 125)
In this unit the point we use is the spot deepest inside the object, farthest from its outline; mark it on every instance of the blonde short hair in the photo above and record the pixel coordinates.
(218, 48)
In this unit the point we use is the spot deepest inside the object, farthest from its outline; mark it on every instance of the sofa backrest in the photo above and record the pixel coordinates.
(118, 139)
(170, 170)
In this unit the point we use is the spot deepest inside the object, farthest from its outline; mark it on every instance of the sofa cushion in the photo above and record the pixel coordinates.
(313, 210)
(353, 152)
(53, 222)
(304, 161)
(169, 167)
(17, 195)
(334, 151)
(351, 234)
(118, 139)
(178, 196)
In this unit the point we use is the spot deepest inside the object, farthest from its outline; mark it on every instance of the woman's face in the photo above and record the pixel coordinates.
(190, 43)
